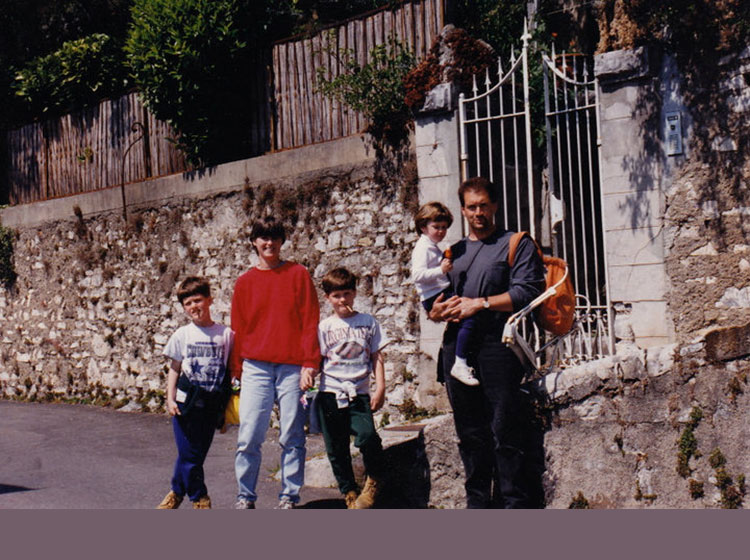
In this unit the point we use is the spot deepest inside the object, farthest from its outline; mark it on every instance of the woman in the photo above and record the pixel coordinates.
(275, 315)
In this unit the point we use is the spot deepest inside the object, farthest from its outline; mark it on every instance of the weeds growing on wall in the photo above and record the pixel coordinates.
(7, 269)
(375, 88)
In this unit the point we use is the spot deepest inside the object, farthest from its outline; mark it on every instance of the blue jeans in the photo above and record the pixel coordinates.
(262, 384)
(193, 434)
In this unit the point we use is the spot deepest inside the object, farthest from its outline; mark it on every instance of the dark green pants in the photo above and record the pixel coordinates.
(337, 424)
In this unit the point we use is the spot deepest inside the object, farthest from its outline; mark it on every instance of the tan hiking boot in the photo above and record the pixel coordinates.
(170, 501)
(350, 499)
(369, 493)
(204, 502)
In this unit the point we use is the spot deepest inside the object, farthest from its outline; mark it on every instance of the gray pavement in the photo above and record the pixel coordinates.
(85, 457)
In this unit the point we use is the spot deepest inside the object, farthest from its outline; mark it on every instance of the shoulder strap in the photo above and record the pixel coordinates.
(515, 239)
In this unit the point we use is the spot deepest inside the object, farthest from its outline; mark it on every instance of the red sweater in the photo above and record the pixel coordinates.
(275, 317)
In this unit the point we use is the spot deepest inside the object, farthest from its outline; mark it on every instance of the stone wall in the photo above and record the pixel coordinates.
(95, 300)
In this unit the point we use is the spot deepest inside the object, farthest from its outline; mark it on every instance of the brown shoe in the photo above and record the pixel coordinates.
(369, 493)
(204, 502)
(350, 499)
(170, 501)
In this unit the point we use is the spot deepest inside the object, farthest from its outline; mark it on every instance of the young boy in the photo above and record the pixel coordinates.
(351, 345)
(428, 270)
(197, 391)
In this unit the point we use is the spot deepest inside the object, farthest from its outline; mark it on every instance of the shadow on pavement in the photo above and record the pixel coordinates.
(9, 489)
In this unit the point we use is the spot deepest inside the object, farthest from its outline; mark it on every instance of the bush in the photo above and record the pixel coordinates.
(78, 74)
(7, 271)
(376, 89)
(192, 63)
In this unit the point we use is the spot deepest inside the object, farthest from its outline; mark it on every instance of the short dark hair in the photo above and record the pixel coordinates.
(268, 227)
(432, 212)
(193, 285)
(477, 184)
(339, 279)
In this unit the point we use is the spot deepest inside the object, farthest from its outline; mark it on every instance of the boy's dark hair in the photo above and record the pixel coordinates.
(477, 184)
(193, 285)
(268, 227)
(432, 212)
(339, 279)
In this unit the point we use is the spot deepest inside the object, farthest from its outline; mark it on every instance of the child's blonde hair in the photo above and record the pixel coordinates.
(432, 212)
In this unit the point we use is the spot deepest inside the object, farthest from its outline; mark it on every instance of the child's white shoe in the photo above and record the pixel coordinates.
(464, 373)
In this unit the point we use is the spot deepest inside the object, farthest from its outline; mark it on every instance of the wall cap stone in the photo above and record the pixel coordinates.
(622, 65)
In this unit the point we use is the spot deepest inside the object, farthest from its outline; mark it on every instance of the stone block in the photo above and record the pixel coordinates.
(635, 246)
(433, 161)
(620, 103)
(637, 282)
(727, 343)
(627, 64)
(651, 323)
(624, 211)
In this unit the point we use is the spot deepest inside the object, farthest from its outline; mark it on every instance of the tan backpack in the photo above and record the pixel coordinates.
(557, 313)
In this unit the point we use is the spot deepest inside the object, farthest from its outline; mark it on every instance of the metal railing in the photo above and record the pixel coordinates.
(495, 125)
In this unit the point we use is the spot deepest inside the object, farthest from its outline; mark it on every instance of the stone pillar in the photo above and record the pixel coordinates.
(633, 166)
(437, 146)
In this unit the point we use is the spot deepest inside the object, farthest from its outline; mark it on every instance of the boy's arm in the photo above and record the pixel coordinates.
(174, 373)
(378, 368)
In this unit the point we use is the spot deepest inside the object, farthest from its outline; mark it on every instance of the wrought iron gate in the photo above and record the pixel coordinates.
(560, 204)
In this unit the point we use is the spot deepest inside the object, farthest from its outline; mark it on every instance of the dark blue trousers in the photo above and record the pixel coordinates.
(486, 419)
(193, 435)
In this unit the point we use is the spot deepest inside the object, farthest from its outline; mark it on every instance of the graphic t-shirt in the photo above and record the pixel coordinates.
(347, 346)
(203, 351)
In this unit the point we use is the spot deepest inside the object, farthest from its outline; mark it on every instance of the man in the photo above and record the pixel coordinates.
(275, 316)
(486, 286)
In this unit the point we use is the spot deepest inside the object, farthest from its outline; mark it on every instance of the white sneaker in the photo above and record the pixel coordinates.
(465, 374)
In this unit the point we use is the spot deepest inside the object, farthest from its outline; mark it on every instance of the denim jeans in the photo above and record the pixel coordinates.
(262, 384)
(193, 434)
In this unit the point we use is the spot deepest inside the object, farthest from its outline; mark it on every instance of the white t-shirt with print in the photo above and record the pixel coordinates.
(347, 346)
(203, 352)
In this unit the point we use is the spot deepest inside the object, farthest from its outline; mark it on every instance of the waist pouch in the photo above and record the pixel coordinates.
(190, 396)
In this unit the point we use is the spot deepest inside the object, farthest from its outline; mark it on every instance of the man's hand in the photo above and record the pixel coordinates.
(378, 399)
(467, 307)
(307, 378)
(443, 309)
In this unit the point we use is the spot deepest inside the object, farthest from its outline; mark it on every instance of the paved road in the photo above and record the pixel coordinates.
(73, 456)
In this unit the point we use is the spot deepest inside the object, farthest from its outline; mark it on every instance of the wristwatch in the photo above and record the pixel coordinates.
(486, 303)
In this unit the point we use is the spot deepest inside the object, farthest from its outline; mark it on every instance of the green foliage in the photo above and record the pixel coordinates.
(79, 73)
(695, 30)
(716, 459)
(375, 88)
(193, 63)
(579, 502)
(696, 488)
(688, 444)
(7, 270)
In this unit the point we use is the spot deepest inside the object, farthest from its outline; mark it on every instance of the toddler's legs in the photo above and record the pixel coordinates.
(461, 369)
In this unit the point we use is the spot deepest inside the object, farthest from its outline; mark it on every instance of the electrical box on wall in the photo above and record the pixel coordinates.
(673, 133)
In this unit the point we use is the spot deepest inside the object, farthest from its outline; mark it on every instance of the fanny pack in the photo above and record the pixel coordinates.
(188, 395)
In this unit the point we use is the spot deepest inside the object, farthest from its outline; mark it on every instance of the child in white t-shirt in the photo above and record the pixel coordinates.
(197, 391)
(429, 266)
(351, 344)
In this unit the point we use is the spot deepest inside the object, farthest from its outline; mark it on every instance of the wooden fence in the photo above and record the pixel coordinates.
(82, 151)
(303, 115)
